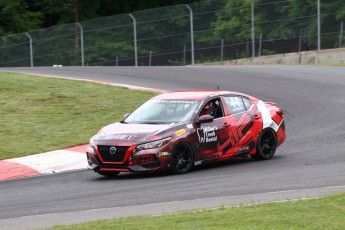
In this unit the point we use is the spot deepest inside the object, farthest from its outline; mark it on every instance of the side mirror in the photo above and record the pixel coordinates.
(125, 116)
(205, 119)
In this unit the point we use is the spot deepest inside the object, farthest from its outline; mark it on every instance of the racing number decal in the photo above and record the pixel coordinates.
(235, 103)
(235, 133)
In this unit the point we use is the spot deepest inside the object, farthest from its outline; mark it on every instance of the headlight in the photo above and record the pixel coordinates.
(92, 144)
(153, 144)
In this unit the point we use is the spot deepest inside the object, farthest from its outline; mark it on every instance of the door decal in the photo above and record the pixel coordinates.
(207, 134)
(235, 133)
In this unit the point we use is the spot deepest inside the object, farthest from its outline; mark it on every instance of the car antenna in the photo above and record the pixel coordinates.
(218, 87)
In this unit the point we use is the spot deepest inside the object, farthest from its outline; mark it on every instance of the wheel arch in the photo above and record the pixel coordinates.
(258, 153)
(172, 166)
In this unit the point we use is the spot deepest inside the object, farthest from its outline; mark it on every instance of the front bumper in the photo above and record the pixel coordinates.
(143, 161)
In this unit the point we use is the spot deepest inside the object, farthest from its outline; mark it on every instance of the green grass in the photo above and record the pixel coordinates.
(39, 114)
(321, 213)
(332, 64)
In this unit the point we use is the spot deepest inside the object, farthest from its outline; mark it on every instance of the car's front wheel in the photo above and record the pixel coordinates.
(266, 146)
(182, 158)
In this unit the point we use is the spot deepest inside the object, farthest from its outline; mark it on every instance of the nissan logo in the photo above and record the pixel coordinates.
(112, 150)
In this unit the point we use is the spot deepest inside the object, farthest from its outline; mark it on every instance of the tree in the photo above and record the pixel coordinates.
(332, 13)
(15, 17)
(234, 24)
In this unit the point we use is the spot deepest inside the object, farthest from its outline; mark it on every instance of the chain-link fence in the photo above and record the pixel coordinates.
(212, 30)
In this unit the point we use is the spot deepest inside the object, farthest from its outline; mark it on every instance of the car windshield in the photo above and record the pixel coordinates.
(163, 112)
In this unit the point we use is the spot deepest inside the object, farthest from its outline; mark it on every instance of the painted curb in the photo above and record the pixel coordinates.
(69, 159)
(44, 163)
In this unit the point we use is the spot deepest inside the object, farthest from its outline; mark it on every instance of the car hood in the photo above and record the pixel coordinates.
(123, 134)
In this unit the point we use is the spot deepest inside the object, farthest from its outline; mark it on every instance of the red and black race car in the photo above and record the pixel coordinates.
(178, 130)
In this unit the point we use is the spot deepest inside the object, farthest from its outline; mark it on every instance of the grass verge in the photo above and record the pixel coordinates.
(39, 114)
(321, 213)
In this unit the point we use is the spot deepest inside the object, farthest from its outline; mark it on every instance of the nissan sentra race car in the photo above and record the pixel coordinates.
(178, 130)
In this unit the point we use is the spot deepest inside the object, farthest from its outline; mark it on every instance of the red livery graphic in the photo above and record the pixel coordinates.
(176, 131)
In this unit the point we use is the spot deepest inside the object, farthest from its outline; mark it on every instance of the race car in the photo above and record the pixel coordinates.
(178, 130)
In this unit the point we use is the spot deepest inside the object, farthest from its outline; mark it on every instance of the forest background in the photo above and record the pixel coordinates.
(222, 30)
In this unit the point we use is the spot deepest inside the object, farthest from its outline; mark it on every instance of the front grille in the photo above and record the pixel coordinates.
(104, 151)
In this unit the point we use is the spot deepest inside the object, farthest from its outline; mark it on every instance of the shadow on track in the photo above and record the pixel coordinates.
(196, 169)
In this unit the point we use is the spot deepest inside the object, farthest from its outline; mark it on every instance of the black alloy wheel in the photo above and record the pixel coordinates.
(182, 159)
(266, 146)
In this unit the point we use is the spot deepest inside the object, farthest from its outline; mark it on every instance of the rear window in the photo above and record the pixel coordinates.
(247, 103)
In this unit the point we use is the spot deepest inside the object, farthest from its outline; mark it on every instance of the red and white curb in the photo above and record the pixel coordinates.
(44, 163)
(69, 159)
(132, 87)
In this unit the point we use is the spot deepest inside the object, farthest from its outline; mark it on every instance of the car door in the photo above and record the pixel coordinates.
(209, 134)
(238, 137)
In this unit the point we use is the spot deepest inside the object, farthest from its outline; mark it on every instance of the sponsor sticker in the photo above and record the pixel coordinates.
(197, 163)
(180, 132)
(118, 137)
(175, 101)
(162, 154)
(207, 134)
(123, 137)
(242, 149)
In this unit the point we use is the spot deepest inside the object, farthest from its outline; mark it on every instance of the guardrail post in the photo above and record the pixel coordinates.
(135, 39)
(31, 52)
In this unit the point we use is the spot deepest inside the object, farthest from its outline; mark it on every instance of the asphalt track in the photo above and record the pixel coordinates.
(310, 163)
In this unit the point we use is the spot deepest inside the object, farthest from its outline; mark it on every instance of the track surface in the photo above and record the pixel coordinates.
(311, 159)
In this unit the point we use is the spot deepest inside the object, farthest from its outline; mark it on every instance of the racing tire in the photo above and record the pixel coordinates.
(266, 146)
(182, 159)
(108, 173)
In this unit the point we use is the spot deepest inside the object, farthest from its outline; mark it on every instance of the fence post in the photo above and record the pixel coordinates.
(222, 50)
(135, 39)
(253, 30)
(300, 40)
(260, 45)
(191, 32)
(117, 61)
(81, 43)
(184, 54)
(318, 26)
(341, 35)
(150, 58)
(31, 53)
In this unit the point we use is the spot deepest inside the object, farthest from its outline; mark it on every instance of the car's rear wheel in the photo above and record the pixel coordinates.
(266, 146)
(182, 159)
(108, 173)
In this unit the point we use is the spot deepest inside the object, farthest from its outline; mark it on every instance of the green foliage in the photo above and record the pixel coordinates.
(16, 16)
(235, 21)
(165, 31)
